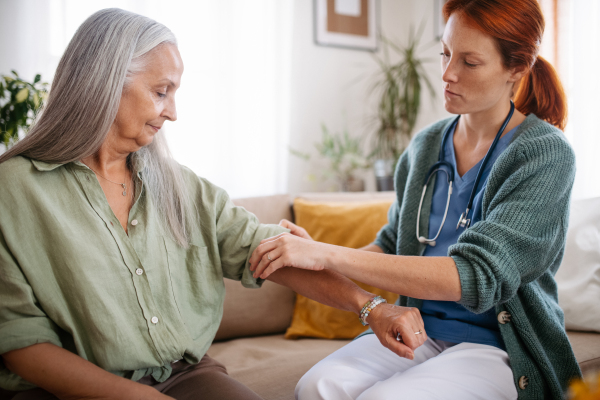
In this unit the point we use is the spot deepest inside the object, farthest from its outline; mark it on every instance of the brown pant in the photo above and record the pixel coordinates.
(206, 380)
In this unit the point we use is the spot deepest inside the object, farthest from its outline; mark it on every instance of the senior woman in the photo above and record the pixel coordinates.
(112, 255)
(476, 234)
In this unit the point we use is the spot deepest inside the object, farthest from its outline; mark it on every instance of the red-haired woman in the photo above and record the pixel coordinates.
(475, 236)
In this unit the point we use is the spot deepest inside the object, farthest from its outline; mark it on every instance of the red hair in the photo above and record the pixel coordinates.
(518, 27)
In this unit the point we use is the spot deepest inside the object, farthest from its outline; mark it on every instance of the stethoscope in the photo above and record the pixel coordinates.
(448, 169)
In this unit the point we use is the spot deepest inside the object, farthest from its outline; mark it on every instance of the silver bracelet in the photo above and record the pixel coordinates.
(366, 310)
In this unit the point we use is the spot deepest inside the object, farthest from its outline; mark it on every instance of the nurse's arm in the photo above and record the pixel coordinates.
(431, 278)
(68, 376)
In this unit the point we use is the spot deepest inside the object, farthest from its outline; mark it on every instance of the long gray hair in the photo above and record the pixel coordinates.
(105, 52)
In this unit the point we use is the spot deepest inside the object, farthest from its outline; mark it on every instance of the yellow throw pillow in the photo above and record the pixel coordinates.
(349, 224)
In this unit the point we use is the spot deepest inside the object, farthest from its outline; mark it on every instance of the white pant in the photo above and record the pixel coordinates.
(365, 370)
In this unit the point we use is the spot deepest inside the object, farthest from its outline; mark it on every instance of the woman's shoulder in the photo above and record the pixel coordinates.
(202, 187)
(15, 169)
(536, 138)
(16, 163)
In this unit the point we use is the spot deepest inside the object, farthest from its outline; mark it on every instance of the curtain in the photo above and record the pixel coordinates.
(572, 44)
(233, 106)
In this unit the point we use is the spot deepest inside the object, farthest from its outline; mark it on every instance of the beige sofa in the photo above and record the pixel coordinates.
(250, 339)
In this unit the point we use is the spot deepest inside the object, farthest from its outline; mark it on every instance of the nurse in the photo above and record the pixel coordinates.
(477, 261)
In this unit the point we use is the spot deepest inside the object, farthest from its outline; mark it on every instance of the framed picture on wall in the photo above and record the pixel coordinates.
(346, 23)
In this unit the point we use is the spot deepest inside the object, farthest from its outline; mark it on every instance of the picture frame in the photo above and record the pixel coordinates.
(351, 24)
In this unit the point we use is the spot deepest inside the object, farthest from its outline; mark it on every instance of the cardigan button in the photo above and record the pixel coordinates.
(523, 382)
(504, 317)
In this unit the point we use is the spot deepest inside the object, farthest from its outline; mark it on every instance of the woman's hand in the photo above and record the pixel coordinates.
(287, 250)
(295, 229)
(390, 322)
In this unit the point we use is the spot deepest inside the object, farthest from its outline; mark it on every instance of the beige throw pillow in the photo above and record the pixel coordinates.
(578, 277)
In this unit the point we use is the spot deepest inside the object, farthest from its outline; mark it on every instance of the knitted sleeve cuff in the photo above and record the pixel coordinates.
(470, 298)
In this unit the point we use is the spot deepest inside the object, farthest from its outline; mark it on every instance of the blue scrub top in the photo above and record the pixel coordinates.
(448, 320)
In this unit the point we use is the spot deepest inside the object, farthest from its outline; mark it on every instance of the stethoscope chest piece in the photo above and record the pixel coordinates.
(463, 222)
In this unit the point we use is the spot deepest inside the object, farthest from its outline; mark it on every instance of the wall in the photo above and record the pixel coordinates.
(331, 85)
(325, 85)
(25, 48)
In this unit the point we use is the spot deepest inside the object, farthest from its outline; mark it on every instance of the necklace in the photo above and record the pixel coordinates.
(116, 183)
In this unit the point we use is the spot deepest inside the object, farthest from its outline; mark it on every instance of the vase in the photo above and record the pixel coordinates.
(353, 185)
(384, 175)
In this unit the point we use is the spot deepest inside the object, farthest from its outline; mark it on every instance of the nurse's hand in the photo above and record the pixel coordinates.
(287, 250)
(390, 323)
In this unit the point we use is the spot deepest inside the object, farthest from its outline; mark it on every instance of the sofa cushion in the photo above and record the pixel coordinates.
(578, 277)
(348, 196)
(271, 365)
(349, 224)
(253, 312)
(586, 346)
(268, 209)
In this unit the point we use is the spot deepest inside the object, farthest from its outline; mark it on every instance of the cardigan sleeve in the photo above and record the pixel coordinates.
(523, 228)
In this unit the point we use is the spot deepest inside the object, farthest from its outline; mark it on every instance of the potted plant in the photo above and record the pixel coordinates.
(345, 158)
(399, 86)
(20, 102)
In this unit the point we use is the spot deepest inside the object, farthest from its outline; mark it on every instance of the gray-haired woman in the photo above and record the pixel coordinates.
(112, 255)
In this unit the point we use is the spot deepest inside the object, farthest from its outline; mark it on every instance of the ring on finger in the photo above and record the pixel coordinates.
(269, 257)
(399, 338)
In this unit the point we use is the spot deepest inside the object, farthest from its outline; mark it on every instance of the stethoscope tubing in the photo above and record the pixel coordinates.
(463, 221)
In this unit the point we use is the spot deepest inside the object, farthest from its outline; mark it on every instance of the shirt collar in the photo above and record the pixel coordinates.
(44, 166)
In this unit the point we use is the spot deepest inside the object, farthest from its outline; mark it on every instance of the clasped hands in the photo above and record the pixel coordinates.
(397, 328)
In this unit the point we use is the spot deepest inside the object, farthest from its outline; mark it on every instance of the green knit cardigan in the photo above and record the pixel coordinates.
(506, 261)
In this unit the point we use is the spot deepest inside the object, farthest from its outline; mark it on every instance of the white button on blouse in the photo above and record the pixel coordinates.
(154, 320)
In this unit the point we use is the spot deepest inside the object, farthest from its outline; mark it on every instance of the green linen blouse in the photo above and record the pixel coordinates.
(131, 303)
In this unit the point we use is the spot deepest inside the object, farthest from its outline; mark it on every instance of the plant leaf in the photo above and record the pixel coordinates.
(37, 78)
(22, 95)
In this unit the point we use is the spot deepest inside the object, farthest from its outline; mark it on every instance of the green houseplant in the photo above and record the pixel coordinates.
(399, 87)
(344, 156)
(20, 101)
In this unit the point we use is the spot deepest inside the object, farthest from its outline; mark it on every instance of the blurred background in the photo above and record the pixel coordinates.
(263, 81)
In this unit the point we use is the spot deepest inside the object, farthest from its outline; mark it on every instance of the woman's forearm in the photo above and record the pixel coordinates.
(326, 287)
(432, 278)
(372, 248)
(68, 376)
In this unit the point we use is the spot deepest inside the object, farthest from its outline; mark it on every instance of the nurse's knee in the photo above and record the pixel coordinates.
(320, 382)
(308, 384)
